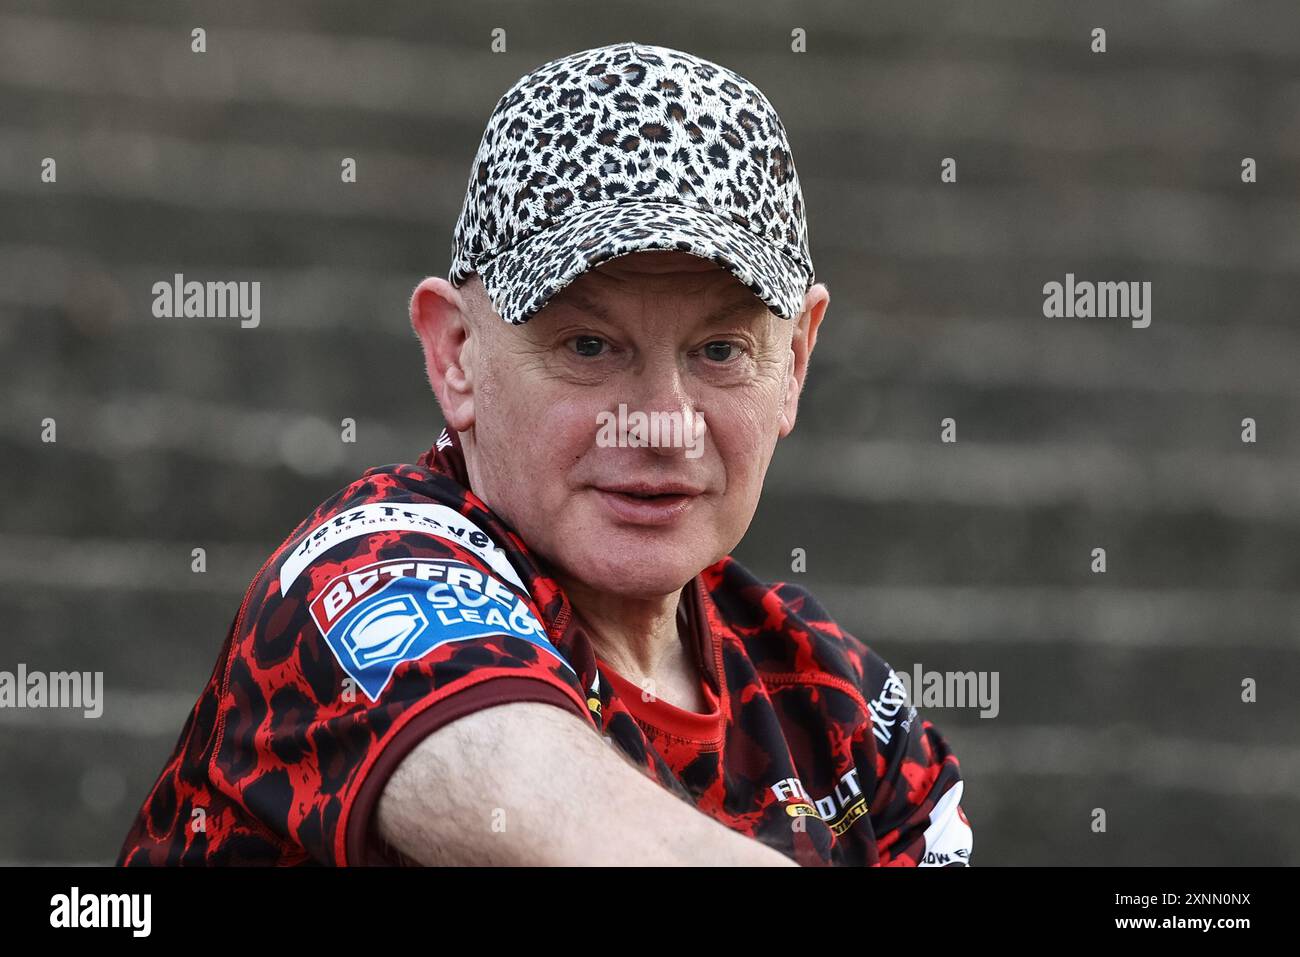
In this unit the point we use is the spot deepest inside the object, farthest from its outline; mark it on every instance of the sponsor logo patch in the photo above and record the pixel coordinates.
(840, 809)
(887, 705)
(948, 838)
(375, 617)
(430, 518)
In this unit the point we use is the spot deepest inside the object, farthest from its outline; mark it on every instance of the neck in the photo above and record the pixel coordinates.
(637, 637)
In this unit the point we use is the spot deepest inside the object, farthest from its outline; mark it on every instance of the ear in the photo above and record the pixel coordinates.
(442, 323)
(815, 301)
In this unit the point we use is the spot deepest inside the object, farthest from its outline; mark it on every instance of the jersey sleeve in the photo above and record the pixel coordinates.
(916, 810)
(354, 645)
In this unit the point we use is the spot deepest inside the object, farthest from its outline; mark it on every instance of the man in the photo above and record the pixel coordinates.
(532, 647)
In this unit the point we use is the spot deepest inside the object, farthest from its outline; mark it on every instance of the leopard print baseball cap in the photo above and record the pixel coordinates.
(625, 148)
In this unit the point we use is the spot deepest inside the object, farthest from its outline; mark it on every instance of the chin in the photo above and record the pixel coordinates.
(634, 570)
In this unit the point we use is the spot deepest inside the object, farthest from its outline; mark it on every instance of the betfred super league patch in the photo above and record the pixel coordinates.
(382, 614)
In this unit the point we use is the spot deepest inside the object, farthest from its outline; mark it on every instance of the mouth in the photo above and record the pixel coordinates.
(648, 503)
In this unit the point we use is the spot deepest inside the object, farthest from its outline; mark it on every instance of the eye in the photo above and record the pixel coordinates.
(719, 351)
(588, 345)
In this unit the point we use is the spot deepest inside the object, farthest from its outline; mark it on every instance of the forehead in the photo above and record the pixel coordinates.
(628, 279)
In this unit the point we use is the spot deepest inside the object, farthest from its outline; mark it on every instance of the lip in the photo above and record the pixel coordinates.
(628, 502)
(650, 488)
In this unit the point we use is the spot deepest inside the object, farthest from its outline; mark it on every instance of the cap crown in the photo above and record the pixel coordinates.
(625, 123)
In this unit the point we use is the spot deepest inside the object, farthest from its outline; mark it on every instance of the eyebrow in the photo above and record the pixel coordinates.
(734, 310)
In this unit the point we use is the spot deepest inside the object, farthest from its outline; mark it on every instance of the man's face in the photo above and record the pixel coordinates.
(657, 332)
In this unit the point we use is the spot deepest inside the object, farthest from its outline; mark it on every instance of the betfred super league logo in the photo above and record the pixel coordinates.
(379, 615)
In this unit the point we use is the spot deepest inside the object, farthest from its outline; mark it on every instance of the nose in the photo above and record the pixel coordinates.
(660, 388)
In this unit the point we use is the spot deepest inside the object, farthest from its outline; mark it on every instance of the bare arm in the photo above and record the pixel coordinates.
(527, 783)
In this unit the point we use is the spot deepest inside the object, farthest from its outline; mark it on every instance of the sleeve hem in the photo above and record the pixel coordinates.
(353, 843)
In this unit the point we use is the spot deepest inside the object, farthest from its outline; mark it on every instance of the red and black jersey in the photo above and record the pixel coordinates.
(403, 603)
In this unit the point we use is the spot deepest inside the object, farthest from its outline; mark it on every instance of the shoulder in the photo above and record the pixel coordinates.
(337, 518)
(400, 565)
(379, 512)
(786, 628)
(398, 604)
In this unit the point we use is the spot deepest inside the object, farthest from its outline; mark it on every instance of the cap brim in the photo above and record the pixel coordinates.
(520, 280)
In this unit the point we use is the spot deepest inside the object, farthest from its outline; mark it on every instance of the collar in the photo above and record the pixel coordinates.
(446, 456)
(705, 730)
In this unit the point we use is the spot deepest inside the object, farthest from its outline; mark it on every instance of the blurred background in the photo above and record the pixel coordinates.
(1119, 691)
